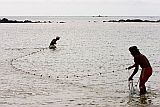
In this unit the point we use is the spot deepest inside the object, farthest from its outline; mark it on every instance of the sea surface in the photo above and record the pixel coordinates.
(87, 69)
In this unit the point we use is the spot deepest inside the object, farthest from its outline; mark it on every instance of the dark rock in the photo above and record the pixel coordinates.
(27, 21)
(158, 21)
(5, 20)
(112, 21)
(133, 20)
(62, 22)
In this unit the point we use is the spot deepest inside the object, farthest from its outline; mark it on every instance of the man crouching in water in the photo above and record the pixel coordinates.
(146, 72)
(53, 42)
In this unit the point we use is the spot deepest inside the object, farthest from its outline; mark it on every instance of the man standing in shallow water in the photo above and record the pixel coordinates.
(146, 72)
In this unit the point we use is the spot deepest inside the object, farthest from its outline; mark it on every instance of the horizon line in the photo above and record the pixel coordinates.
(82, 15)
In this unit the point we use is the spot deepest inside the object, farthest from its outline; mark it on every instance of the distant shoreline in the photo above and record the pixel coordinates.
(133, 20)
(5, 20)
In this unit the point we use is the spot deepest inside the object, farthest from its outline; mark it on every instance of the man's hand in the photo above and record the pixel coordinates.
(129, 67)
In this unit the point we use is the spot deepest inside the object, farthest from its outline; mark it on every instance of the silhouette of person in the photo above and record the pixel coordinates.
(146, 72)
(53, 42)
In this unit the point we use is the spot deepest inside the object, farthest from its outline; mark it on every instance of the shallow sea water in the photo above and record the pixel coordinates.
(86, 69)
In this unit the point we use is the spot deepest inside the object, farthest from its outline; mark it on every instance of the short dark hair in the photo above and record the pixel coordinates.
(57, 37)
(134, 49)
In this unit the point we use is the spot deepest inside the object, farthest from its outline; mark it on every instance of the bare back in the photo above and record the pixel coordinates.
(143, 61)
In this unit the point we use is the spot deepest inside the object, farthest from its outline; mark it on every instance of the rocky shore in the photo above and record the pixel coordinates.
(5, 20)
(133, 20)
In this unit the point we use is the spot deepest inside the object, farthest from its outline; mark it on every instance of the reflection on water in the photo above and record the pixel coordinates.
(143, 100)
(86, 69)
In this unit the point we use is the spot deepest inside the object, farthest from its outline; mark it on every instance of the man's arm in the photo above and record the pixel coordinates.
(136, 65)
(134, 72)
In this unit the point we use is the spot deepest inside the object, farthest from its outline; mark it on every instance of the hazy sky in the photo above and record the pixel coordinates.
(79, 7)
